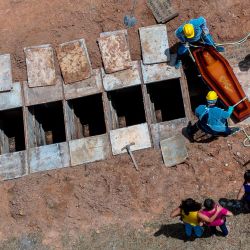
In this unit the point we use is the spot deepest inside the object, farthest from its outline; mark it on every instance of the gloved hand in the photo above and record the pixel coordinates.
(177, 64)
(220, 48)
(230, 109)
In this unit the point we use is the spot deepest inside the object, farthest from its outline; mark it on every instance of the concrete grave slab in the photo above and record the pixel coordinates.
(115, 32)
(89, 149)
(86, 87)
(139, 134)
(5, 73)
(33, 96)
(40, 65)
(122, 79)
(154, 43)
(74, 61)
(49, 157)
(163, 130)
(11, 99)
(115, 52)
(162, 10)
(159, 72)
(13, 165)
(174, 150)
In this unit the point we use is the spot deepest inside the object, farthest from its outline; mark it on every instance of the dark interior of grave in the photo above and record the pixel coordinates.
(12, 129)
(128, 105)
(50, 118)
(90, 114)
(166, 97)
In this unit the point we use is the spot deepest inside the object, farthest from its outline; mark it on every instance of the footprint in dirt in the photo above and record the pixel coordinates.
(244, 65)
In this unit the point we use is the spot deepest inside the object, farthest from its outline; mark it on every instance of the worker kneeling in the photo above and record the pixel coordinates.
(212, 119)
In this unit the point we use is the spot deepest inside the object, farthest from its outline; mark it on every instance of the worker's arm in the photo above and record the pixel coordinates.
(241, 193)
(176, 212)
(179, 34)
(204, 218)
(226, 114)
(201, 21)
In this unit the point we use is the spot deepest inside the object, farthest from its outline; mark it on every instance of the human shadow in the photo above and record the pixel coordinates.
(202, 138)
(177, 231)
(244, 65)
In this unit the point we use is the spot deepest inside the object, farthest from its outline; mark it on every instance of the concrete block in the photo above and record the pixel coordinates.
(122, 79)
(40, 65)
(163, 130)
(139, 134)
(154, 43)
(5, 73)
(89, 149)
(33, 96)
(90, 86)
(115, 52)
(162, 10)
(49, 157)
(159, 72)
(13, 165)
(174, 150)
(74, 61)
(11, 99)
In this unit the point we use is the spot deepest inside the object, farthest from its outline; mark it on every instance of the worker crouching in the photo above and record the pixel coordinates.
(211, 119)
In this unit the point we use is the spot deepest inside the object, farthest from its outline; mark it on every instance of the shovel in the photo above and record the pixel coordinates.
(130, 20)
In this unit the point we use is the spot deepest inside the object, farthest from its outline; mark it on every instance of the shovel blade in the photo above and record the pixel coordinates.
(129, 21)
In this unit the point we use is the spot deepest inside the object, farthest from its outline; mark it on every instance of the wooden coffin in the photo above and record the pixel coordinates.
(220, 77)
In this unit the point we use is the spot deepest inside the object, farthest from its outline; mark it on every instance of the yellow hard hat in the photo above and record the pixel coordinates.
(212, 96)
(188, 30)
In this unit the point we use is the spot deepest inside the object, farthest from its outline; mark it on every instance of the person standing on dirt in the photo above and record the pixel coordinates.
(189, 210)
(212, 119)
(193, 31)
(244, 193)
(220, 220)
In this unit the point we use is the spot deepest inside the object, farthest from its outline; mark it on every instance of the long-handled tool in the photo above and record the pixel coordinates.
(130, 20)
(242, 100)
(127, 147)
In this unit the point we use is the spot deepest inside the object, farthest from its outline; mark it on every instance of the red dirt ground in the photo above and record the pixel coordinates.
(89, 196)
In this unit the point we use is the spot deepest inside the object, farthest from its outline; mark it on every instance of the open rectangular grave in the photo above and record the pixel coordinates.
(126, 107)
(86, 129)
(166, 100)
(45, 124)
(12, 137)
(85, 117)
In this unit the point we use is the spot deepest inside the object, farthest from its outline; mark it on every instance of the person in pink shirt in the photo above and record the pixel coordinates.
(220, 220)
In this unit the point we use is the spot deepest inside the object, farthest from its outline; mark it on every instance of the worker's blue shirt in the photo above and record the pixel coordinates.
(200, 29)
(214, 117)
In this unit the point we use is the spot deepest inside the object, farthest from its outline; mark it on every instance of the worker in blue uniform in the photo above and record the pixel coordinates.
(212, 119)
(193, 31)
